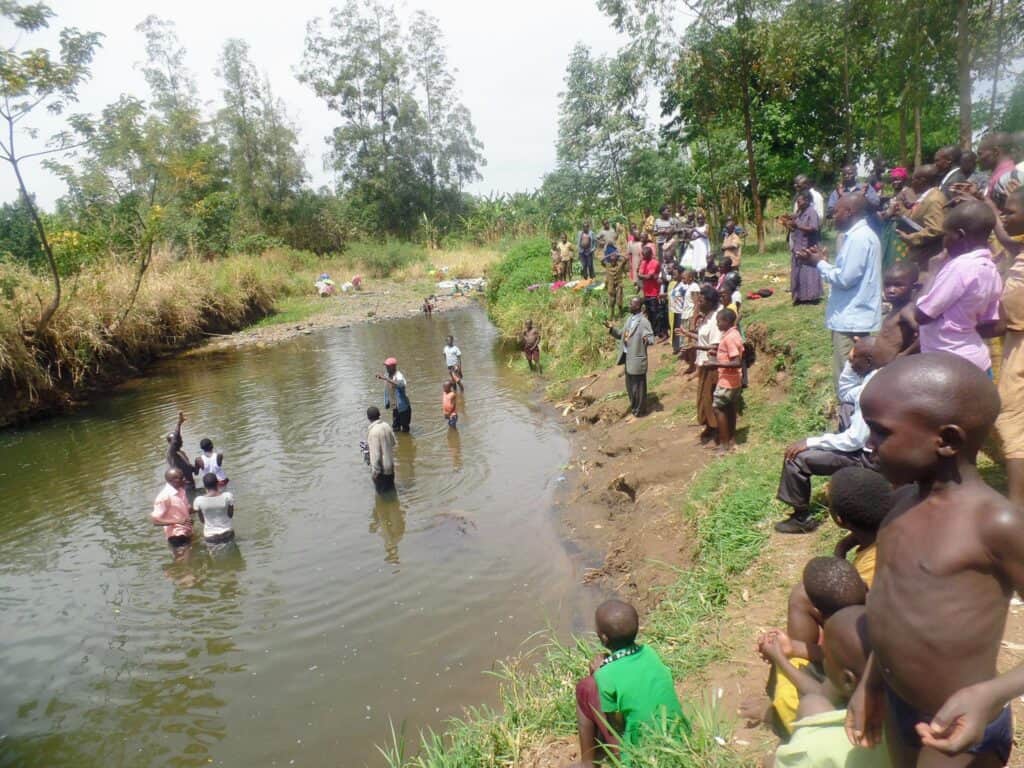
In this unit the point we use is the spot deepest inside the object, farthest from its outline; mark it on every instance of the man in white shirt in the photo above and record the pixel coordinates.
(216, 510)
(825, 454)
(381, 440)
(453, 359)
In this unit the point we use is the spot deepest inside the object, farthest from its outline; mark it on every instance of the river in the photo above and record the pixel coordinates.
(335, 611)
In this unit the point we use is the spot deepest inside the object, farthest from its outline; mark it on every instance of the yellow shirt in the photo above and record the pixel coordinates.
(785, 698)
(864, 562)
(566, 249)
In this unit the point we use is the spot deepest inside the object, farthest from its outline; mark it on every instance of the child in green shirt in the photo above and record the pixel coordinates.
(628, 688)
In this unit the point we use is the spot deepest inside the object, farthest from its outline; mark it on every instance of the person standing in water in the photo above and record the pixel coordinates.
(381, 441)
(395, 396)
(178, 459)
(453, 359)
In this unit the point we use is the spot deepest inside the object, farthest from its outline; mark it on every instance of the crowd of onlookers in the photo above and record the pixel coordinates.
(888, 655)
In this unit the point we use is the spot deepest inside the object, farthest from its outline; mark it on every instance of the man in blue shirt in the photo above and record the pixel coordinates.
(855, 297)
(395, 396)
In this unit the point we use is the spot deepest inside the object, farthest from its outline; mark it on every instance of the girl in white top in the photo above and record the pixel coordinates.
(216, 510)
(210, 462)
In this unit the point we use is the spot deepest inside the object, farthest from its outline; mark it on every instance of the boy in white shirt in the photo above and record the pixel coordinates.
(453, 359)
(216, 509)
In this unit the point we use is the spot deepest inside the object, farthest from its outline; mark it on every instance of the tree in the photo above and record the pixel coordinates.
(31, 79)
(404, 145)
(601, 120)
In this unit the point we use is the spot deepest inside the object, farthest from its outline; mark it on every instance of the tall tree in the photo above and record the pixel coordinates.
(32, 79)
(404, 145)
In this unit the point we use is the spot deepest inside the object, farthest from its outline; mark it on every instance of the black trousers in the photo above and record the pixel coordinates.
(795, 483)
(657, 314)
(384, 483)
(636, 388)
(400, 420)
(586, 264)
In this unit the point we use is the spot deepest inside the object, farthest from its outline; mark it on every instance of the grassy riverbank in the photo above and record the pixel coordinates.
(728, 510)
(99, 336)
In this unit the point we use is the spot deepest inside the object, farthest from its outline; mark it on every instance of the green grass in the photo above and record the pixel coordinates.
(729, 506)
(292, 309)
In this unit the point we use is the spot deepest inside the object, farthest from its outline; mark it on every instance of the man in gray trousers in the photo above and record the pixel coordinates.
(636, 335)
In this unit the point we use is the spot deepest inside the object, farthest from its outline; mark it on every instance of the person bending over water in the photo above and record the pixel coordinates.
(216, 510)
(950, 555)
(171, 509)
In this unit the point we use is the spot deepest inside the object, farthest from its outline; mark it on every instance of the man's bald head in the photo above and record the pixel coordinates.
(617, 623)
(850, 209)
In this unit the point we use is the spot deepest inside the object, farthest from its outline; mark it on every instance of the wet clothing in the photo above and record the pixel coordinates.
(211, 463)
(396, 398)
(381, 441)
(216, 522)
(172, 509)
(178, 459)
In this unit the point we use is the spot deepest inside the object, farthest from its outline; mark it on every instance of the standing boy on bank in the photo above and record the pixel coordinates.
(950, 556)
(729, 390)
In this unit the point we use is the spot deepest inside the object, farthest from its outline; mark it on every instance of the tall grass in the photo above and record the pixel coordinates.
(729, 508)
(573, 337)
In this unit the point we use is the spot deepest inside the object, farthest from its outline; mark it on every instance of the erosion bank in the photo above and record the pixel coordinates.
(681, 530)
(101, 336)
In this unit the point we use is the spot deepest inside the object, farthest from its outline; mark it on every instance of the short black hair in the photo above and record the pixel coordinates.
(832, 584)
(618, 621)
(373, 413)
(709, 294)
(973, 217)
(209, 481)
(953, 150)
(860, 496)
(728, 315)
(206, 444)
(908, 268)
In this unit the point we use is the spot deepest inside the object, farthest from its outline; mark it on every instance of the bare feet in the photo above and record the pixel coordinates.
(754, 711)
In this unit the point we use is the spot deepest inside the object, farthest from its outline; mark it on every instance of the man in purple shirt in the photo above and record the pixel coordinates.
(961, 305)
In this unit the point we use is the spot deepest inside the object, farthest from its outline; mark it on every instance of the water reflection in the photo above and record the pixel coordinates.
(389, 522)
(298, 640)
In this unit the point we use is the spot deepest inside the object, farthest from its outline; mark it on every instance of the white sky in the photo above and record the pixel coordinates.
(510, 57)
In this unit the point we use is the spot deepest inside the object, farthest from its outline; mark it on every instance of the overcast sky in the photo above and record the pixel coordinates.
(510, 58)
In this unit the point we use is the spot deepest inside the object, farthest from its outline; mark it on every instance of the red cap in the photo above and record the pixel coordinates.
(391, 361)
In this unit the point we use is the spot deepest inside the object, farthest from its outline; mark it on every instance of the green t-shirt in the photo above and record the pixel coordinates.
(639, 686)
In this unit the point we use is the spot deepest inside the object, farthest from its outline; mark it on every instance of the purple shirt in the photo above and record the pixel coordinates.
(965, 293)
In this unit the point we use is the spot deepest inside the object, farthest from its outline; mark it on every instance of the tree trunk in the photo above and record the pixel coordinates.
(998, 59)
(963, 67)
(51, 309)
(917, 133)
(903, 134)
(742, 24)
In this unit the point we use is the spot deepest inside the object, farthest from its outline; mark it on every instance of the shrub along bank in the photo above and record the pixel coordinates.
(104, 332)
(729, 508)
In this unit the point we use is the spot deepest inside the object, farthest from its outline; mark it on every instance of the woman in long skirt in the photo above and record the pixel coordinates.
(707, 336)
(805, 231)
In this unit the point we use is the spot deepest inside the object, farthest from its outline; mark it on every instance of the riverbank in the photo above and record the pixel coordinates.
(684, 533)
(687, 536)
(101, 336)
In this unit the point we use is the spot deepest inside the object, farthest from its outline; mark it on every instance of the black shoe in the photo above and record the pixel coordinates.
(796, 524)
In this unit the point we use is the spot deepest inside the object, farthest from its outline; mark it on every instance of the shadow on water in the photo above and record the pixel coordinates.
(334, 611)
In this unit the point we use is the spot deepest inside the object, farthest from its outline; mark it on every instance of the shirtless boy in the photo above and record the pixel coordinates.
(531, 345)
(898, 335)
(950, 556)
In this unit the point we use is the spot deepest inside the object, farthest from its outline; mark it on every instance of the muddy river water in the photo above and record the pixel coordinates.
(336, 611)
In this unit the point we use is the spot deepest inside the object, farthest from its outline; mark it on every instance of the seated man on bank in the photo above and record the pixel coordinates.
(825, 454)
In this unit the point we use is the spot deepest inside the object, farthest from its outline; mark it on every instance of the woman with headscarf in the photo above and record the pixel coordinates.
(900, 204)
(804, 232)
